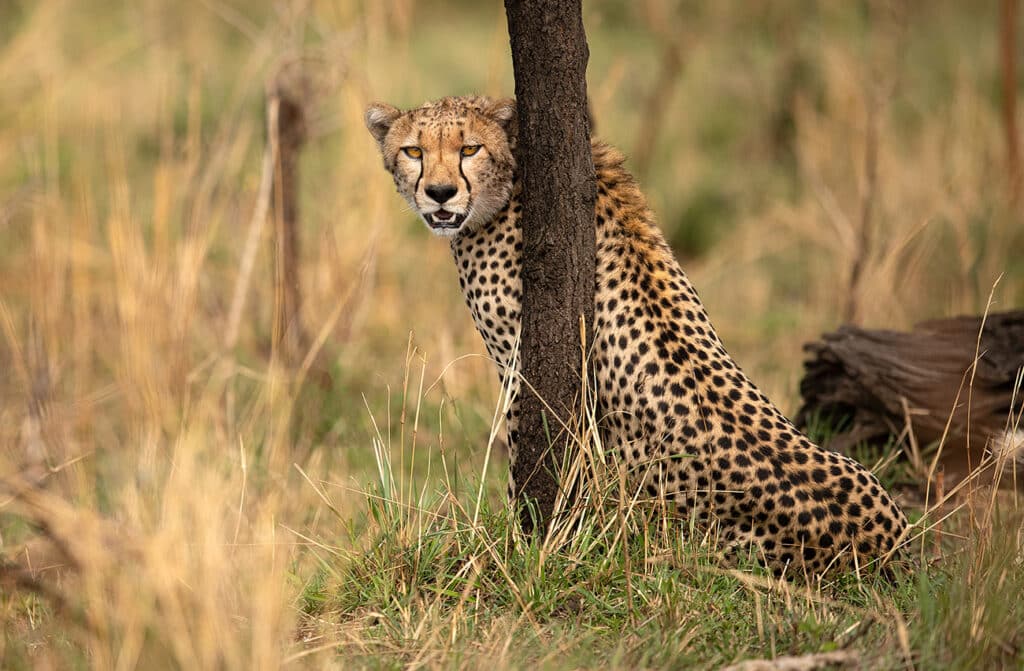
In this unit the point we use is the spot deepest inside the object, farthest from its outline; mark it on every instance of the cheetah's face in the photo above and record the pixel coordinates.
(451, 159)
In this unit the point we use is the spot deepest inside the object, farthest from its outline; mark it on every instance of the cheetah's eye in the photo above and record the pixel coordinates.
(413, 152)
(470, 149)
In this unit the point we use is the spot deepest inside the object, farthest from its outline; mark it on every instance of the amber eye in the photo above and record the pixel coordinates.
(470, 149)
(413, 152)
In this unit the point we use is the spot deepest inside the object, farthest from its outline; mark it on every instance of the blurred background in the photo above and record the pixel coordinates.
(812, 163)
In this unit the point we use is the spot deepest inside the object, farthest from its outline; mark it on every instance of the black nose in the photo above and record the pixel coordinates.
(441, 192)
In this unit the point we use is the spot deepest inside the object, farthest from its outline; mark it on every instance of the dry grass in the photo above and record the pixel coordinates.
(174, 495)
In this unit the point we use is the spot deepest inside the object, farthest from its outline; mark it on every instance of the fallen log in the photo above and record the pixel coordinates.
(923, 384)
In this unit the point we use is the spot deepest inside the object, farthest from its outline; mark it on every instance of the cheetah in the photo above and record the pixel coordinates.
(694, 431)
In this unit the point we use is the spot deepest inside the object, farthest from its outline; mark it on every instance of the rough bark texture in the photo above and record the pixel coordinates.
(549, 56)
(878, 380)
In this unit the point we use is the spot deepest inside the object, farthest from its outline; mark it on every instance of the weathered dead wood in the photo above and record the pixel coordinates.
(872, 382)
(837, 659)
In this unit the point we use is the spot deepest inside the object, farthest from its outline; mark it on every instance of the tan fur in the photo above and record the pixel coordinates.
(693, 429)
(440, 130)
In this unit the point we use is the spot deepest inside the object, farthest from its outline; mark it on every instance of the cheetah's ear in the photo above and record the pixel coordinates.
(504, 112)
(379, 117)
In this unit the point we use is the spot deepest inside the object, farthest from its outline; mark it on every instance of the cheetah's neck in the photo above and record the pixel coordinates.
(488, 261)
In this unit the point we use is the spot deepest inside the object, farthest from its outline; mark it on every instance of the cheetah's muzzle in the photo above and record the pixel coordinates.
(444, 220)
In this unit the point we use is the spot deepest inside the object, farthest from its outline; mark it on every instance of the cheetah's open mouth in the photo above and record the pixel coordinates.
(443, 219)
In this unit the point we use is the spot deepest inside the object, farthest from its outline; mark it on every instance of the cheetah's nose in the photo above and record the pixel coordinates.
(441, 192)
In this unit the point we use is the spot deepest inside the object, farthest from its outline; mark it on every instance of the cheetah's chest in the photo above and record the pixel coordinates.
(489, 263)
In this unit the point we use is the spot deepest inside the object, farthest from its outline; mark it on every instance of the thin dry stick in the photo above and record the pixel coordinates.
(241, 496)
(940, 492)
(974, 370)
(252, 238)
(935, 462)
(968, 379)
(625, 547)
(910, 446)
(1012, 449)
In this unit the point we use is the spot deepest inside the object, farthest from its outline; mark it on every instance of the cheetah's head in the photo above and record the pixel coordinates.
(452, 159)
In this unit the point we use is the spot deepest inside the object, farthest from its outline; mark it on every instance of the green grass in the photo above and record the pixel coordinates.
(432, 586)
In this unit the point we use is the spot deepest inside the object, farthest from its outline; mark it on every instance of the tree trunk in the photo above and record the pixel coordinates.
(549, 57)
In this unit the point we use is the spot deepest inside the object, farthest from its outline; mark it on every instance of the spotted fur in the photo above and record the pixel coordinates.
(693, 429)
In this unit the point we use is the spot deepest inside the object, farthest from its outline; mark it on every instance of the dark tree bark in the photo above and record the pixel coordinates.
(549, 57)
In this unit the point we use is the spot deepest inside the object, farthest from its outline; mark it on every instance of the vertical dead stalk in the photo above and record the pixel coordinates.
(940, 495)
(291, 105)
(1008, 66)
(252, 238)
(288, 138)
